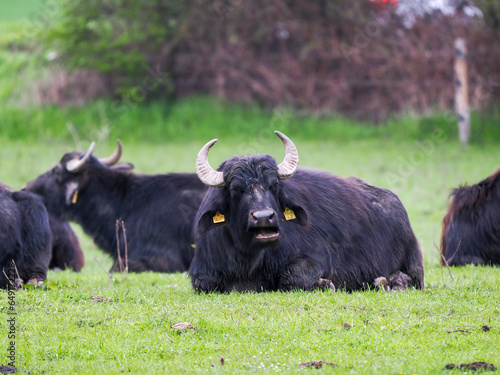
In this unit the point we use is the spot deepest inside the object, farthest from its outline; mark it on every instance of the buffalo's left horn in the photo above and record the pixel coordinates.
(205, 172)
(290, 163)
(113, 159)
(76, 164)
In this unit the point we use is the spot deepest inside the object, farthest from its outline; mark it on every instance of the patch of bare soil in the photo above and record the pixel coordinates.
(474, 366)
(316, 364)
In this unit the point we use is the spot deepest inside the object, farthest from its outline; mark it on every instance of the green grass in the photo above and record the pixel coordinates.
(23, 9)
(61, 330)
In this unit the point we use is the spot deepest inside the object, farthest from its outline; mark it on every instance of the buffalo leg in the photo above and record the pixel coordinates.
(468, 259)
(397, 281)
(203, 283)
(305, 274)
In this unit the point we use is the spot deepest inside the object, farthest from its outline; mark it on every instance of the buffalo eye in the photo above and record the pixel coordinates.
(58, 173)
(274, 186)
(55, 171)
(237, 191)
(237, 188)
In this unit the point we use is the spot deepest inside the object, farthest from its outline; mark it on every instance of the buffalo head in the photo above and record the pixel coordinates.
(60, 186)
(248, 195)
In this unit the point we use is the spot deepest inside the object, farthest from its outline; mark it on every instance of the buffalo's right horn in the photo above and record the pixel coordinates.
(288, 166)
(113, 159)
(76, 164)
(205, 172)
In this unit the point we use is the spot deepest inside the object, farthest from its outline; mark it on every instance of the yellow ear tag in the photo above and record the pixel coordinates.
(219, 218)
(289, 214)
(75, 197)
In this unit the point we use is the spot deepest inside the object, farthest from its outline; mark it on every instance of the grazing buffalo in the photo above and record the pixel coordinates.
(471, 227)
(258, 228)
(157, 210)
(24, 238)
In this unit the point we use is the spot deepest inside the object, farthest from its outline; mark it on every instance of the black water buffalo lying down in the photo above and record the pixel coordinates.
(24, 238)
(258, 228)
(66, 250)
(471, 227)
(158, 210)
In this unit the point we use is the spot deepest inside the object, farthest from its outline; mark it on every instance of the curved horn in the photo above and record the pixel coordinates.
(290, 163)
(75, 165)
(205, 172)
(113, 159)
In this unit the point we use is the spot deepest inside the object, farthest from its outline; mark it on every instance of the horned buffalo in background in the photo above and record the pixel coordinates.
(24, 238)
(471, 227)
(66, 250)
(158, 210)
(258, 228)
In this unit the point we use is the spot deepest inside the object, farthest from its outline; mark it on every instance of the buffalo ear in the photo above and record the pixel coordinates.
(211, 219)
(123, 167)
(213, 211)
(288, 200)
(71, 192)
(300, 214)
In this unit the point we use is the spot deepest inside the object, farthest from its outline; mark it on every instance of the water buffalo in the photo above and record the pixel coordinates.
(66, 250)
(25, 238)
(258, 228)
(158, 210)
(471, 227)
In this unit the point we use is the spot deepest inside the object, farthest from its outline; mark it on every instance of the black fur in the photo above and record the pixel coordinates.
(158, 211)
(345, 231)
(24, 237)
(66, 250)
(471, 227)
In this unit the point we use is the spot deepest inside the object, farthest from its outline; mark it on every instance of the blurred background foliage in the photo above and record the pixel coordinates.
(105, 65)
(358, 57)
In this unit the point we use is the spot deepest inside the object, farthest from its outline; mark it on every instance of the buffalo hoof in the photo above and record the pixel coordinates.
(325, 284)
(382, 284)
(35, 282)
(397, 281)
(19, 283)
(204, 284)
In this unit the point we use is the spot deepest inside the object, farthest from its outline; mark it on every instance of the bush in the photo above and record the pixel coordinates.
(352, 57)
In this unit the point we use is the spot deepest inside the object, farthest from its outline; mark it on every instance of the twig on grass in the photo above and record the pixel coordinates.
(445, 261)
(168, 337)
(7, 277)
(15, 267)
(459, 330)
(456, 251)
(123, 270)
(117, 231)
(18, 277)
(109, 273)
(126, 247)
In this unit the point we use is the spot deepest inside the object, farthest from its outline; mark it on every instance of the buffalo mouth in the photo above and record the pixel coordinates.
(266, 234)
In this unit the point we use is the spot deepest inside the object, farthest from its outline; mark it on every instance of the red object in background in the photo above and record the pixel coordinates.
(385, 4)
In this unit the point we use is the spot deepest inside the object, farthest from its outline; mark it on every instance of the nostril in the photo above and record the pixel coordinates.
(263, 215)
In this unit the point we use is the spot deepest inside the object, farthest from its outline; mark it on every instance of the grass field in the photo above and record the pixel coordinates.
(62, 330)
